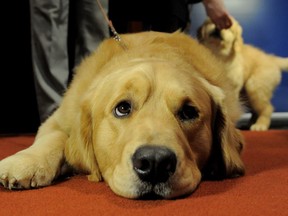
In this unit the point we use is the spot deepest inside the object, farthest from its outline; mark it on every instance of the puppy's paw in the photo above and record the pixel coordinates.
(259, 127)
(24, 171)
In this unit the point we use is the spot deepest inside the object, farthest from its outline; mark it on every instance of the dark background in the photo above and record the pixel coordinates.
(18, 110)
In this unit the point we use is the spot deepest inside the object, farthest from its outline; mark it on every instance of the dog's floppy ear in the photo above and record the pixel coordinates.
(225, 160)
(79, 150)
(238, 42)
(227, 144)
(200, 31)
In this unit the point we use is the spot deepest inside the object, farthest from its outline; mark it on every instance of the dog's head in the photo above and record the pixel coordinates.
(154, 126)
(225, 42)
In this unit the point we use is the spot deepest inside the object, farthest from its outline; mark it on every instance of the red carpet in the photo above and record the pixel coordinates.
(262, 191)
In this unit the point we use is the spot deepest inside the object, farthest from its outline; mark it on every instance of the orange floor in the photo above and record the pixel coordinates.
(262, 191)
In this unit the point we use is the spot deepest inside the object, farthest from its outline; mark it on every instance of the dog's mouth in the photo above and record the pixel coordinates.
(150, 196)
(149, 191)
(160, 191)
(216, 33)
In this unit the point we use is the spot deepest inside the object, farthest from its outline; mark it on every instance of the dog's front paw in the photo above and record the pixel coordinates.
(259, 127)
(24, 171)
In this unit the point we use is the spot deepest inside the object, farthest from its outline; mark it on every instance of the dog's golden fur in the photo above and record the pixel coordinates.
(165, 91)
(248, 68)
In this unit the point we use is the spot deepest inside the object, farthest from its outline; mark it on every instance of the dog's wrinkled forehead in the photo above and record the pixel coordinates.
(134, 79)
(158, 82)
(141, 80)
(156, 74)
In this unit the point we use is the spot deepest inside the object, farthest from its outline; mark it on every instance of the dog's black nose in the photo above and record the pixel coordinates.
(154, 164)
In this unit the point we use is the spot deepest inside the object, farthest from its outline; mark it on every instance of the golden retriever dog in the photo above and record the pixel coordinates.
(248, 68)
(151, 120)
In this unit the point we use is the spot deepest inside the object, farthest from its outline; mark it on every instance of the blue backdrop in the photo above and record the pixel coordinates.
(265, 25)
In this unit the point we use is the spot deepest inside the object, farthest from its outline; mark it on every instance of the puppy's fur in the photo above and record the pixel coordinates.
(248, 68)
(150, 120)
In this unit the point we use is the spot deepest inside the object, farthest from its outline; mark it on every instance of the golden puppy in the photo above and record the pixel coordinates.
(248, 68)
(150, 120)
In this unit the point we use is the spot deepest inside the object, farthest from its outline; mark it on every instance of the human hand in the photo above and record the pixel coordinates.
(217, 12)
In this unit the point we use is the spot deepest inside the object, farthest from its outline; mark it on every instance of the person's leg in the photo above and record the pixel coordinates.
(91, 27)
(49, 23)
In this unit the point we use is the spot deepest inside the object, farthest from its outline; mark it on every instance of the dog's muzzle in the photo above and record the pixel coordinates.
(216, 34)
(154, 164)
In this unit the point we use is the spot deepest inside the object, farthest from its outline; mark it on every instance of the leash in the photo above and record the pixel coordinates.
(116, 36)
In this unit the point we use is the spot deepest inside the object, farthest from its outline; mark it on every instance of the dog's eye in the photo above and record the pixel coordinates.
(122, 109)
(188, 112)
